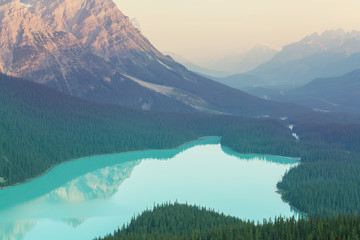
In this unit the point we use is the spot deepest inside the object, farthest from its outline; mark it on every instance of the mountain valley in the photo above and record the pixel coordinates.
(98, 125)
(332, 53)
(91, 50)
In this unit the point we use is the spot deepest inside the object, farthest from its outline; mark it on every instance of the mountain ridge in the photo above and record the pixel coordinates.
(91, 50)
(332, 53)
(244, 62)
(328, 94)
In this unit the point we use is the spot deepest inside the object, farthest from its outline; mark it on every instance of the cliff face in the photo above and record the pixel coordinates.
(88, 48)
(16, 32)
(99, 25)
(78, 47)
(35, 51)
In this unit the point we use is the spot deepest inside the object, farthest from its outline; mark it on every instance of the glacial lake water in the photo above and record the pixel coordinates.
(93, 196)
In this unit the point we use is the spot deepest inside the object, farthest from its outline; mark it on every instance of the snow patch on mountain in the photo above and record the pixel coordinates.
(291, 127)
(155, 87)
(295, 136)
(26, 5)
(84, 5)
(165, 65)
(136, 24)
(175, 93)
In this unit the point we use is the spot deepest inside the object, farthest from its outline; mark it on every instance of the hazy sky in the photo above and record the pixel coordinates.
(204, 29)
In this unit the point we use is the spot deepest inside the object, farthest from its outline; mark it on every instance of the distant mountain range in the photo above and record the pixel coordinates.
(207, 72)
(334, 94)
(241, 63)
(91, 50)
(226, 66)
(332, 53)
(328, 94)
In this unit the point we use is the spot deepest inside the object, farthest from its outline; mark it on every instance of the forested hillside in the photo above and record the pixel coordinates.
(177, 221)
(40, 127)
(327, 182)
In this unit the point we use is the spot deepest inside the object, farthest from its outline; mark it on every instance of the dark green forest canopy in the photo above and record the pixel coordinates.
(327, 182)
(179, 221)
(41, 127)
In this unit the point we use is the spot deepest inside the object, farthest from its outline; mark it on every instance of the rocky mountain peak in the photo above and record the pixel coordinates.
(5, 2)
(337, 41)
(98, 24)
(90, 49)
(338, 33)
(19, 28)
(136, 24)
(330, 38)
(35, 51)
(56, 14)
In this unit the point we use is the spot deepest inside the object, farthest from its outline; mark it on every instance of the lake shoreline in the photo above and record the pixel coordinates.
(74, 159)
(93, 196)
(280, 191)
(296, 159)
(188, 142)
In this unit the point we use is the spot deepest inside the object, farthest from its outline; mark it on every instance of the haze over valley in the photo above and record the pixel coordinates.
(191, 120)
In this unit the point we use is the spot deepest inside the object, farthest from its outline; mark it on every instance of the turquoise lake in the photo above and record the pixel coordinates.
(93, 196)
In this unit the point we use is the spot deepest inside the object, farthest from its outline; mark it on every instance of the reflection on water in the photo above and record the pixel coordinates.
(92, 196)
(15, 230)
(100, 184)
(64, 173)
(74, 222)
(266, 158)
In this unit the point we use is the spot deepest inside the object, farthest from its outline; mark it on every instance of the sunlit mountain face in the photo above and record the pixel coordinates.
(91, 50)
(92, 115)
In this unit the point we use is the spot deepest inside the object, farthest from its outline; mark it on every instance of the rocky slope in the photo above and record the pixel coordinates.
(332, 53)
(99, 25)
(33, 50)
(88, 48)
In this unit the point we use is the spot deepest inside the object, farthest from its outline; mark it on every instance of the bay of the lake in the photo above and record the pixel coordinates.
(93, 196)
